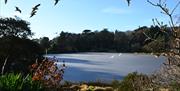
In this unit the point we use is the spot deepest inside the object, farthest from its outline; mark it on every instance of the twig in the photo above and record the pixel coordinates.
(166, 11)
(24, 79)
(158, 22)
(2, 72)
(175, 7)
(153, 22)
(152, 3)
(164, 3)
(149, 37)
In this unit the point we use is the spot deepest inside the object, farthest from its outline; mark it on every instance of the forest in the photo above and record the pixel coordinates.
(109, 41)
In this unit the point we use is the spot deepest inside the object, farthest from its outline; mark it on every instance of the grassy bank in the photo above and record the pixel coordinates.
(132, 82)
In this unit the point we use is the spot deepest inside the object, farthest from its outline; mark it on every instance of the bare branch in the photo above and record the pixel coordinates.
(170, 24)
(175, 7)
(164, 3)
(153, 22)
(159, 1)
(149, 37)
(152, 3)
(158, 22)
(5, 1)
(163, 13)
(164, 9)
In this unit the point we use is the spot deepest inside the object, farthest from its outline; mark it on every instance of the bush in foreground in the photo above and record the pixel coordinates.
(16, 82)
(45, 75)
(48, 73)
(133, 82)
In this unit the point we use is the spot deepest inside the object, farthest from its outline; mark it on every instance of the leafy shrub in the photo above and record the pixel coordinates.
(115, 84)
(48, 73)
(45, 74)
(16, 82)
(128, 83)
(175, 86)
(132, 82)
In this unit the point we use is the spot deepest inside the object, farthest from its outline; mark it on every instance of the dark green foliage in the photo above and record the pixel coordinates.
(116, 84)
(121, 41)
(87, 41)
(128, 82)
(175, 86)
(137, 39)
(155, 47)
(44, 43)
(20, 52)
(13, 27)
(106, 41)
(133, 82)
(159, 39)
(64, 43)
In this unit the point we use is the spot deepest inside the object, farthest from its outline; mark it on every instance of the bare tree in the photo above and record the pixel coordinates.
(170, 71)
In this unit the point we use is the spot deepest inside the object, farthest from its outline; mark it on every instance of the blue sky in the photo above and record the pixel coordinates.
(78, 15)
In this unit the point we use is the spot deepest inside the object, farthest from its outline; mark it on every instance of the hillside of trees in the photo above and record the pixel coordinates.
(143, 39)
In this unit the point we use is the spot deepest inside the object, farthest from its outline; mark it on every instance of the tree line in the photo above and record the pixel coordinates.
(142, 39)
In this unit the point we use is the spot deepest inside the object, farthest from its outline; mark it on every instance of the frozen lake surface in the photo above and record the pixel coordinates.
(106, 66)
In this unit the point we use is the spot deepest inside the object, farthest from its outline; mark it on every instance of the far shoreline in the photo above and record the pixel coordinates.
(148, 53)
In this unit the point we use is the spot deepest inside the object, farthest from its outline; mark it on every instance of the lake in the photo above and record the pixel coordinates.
(106, 66)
